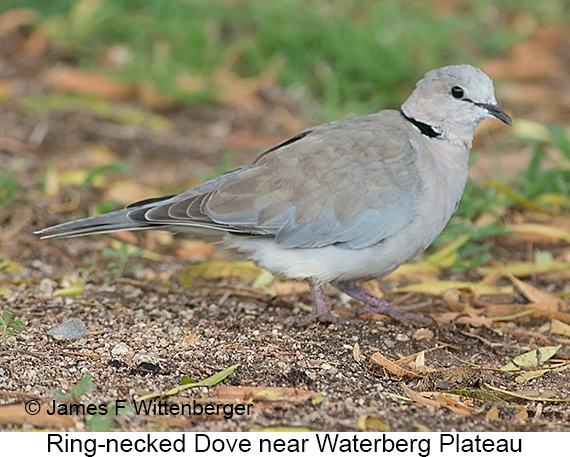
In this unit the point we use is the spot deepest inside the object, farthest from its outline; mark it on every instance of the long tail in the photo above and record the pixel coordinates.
(105, 223)
(179, 213)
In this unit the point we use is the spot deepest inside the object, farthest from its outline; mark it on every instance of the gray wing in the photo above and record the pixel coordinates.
(350, 183)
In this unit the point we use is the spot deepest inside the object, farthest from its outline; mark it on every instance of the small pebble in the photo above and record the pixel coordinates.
(423, 334)
(122, 351)
(70, 330)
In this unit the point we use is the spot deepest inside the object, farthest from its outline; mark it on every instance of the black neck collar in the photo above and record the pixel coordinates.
(426, 129)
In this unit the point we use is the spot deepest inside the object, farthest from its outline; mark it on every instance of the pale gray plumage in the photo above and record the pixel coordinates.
(342, 202)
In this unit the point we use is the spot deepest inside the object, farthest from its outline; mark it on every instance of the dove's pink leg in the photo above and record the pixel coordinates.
(320, 309)
(375, 304)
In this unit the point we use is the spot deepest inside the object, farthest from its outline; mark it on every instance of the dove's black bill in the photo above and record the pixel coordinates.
(497, 112)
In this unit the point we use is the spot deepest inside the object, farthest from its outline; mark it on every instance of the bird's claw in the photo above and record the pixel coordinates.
(324, 318)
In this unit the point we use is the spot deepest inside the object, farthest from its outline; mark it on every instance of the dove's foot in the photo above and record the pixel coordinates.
(320, 311)
(375, 304)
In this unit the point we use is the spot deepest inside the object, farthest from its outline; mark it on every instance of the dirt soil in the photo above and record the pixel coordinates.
(157, 323)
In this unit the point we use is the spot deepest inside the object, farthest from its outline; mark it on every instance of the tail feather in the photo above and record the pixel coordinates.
(104, 223)
(95, 230)
(159, 213)
(131, 218)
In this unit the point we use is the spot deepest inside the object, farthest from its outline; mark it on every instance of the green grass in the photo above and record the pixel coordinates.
(349, 56)
(9, 326)
(8, 187)
(537, 180)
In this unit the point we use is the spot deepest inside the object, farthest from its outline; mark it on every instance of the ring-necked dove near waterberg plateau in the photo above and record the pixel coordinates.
(343, 202)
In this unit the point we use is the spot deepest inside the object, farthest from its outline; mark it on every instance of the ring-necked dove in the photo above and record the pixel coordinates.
(342, 202)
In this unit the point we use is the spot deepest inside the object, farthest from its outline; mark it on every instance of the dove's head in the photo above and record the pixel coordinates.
(453, 101)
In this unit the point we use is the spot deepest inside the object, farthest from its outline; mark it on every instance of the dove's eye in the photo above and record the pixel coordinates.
(457, 92)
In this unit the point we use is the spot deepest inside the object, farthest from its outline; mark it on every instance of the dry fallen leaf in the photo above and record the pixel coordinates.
(532, 293)
(356, 353)
(531, 359)
(524, 269)
(559, 328)
(522, 414)
(419, 398)
(369, 422)
(392, 367)
(454, 403)
(553, 309)
(492, 414)
(448, 401)
(542, 232)
(475, 321)
(17, 415)
(420, 362)
(78, 81)
(439, 287)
